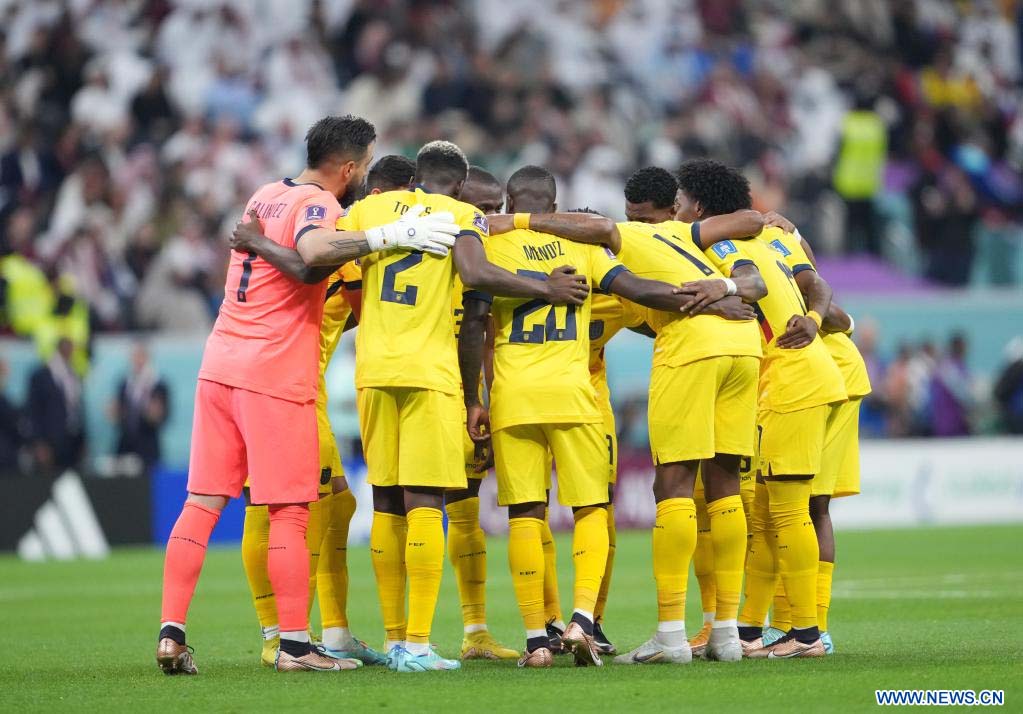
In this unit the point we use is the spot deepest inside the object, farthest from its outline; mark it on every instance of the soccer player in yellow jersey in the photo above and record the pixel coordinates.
(651, 196)
(407, 383)
(840, 464)
(798, 383)
(467, 543)
(542, 399)
(330, 517)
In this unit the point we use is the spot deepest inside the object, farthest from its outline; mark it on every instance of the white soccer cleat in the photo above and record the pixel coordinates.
(724, 644)
(653, 652)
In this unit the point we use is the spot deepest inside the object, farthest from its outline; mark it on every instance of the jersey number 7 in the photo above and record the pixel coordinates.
(549, 330)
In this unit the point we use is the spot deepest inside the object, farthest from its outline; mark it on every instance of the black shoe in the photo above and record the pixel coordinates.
(554, 635)
(600, 639)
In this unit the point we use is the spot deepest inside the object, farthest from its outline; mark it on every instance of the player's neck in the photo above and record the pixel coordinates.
(446, 189)
(318, 178)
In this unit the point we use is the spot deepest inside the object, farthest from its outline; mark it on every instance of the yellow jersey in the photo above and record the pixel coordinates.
(666, 252)
(541, 351)
(790, 379)
(406, 334)
(842, 349)
(608, 316)
(336, 310)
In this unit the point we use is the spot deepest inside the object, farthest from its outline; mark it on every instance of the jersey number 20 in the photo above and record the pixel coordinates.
(549, 330)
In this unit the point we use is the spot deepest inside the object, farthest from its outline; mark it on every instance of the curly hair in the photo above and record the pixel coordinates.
(346, 137)
(718, 188)
(652, 184)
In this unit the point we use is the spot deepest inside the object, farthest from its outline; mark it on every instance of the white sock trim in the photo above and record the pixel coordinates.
(671, 626)
(337, 638)
(297, 636)
(481, 627)
(708, 617)
(560, 624)
(390, 644)
(418, 648)
(720, 624)
(168, 623)
(270, 632)
(530, 634)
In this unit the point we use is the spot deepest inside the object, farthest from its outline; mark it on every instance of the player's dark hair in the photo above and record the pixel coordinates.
(346, 138)
(441, 162)
(652, 184)
(586, 209)
(718, 188)
(479, 175)
(534, 183)
(390, 173)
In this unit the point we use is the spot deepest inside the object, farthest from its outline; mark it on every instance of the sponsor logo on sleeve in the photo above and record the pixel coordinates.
(480, 221)
(315, 213)
(780, 247)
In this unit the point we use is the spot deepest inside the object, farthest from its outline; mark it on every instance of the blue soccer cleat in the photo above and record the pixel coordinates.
(772, 635)
(405, 661)
(359, 650)
(829, 647)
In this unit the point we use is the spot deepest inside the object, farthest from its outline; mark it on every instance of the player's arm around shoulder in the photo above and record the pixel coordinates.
(739, 225)
(589, 228)
(740, 279)
(248, 237)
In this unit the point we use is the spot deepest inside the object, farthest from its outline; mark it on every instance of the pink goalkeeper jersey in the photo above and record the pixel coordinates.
(266, 338)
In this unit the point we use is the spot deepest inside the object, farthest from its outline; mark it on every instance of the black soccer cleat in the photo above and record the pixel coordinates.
(604, 645)
(554, 635)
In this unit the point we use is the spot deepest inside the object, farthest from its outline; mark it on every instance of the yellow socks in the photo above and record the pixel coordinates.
(255, 540)
(387, 551)
(526, 561)
(551, 598)
(589, 556)
(761, 575)
(674, 540)
(728, 536)
(605, 583)
(797, 548)
(781, 613)
(332, 573)
(424, 559)
(824, 572)
(703, 560)
(467, 548)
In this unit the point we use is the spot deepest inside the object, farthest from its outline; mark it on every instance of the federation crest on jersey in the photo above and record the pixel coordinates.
(315, 213)
(480, 222)
(780, 247)
(725, 248)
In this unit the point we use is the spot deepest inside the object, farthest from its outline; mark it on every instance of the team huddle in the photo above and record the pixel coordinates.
(483, 315)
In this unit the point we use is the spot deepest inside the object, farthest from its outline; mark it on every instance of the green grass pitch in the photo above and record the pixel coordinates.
(929, 608)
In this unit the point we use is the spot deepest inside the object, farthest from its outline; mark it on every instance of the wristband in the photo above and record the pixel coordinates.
(816, 317)
(521, 220)
(852, 326)
(731, 286)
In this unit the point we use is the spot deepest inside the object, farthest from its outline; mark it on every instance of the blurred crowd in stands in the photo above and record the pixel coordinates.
(132, 131)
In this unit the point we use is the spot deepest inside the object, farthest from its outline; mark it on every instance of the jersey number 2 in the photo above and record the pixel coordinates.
(549, 330)
(409, 294)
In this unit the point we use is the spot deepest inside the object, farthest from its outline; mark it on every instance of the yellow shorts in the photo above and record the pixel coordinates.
(791, 443)
(611, 439)
(703, 408)
(411, 437)
(840, 462)
(522, 456)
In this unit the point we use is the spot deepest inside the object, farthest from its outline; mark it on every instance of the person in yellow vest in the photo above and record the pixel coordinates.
(863, 148)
